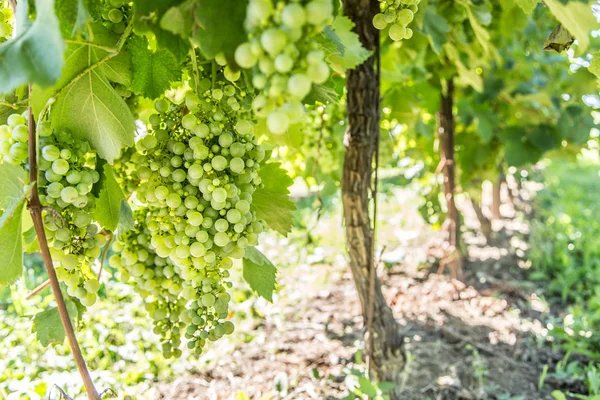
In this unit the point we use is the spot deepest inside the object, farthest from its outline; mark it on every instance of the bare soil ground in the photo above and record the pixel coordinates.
(475, 339)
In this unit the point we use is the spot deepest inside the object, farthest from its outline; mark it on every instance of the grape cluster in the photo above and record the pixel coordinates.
(398, 14)
(66, 176)
(195, 173)
(174, 304)
(6, 29)
(115, 14)
(284, 52)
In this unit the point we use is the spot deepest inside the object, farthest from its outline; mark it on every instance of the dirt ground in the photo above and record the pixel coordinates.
(479, 338)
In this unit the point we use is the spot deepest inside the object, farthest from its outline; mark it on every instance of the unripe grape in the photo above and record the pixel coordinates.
(405, 16)
(379, 21)
(318, 72)
(219, 163)
(293, 15)
(319, 11)
(230, 75)
(273, 41)
(60, 166)
(69, 194)
(397, 32)
(15, 119)
(20, 133)
(299, 85)
(50, 153)
(219, 195)
(278, 122)
(284, 63)
(236, 165)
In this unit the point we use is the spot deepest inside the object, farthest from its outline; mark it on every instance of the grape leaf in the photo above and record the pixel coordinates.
(87, 104)
(272, 201)
(220, 26)
(595, 64)
(14, 190)
(72, 15)
(153, 72)
(527, 5)
(350, 52)
(259, 272)
(108, 205)
(436, 28)
(126, 222)
(35, 54)
(92, 110)
(577, 18)
(118, 68)
(11, 246)
(48, 327)
(179, 19)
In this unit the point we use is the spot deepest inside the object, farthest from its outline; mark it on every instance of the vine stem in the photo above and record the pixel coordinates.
(35, 208)
(195, 70)
(104, 253)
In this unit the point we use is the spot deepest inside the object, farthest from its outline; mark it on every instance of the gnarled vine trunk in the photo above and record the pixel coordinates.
(445, 119)
(363, 108)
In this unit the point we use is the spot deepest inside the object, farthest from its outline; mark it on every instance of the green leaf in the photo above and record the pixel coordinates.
(350, 52)
(93, 111)
(485, 126)
(577, 18)
(179, 19)
(595, 64)
(436, 28)
(544, 137)
(259, 272)
(118, 68)
(527, 5)
(322, 94)
(272, 201)
(11, 246)
(72, 15)
(153, 72)
(35, 54)
(48, 327)
(518, 153)
(87, 105)
(108, 205)
(367, 387)
(220, 26)
(14, 190)
(126, 222)
(575, 124)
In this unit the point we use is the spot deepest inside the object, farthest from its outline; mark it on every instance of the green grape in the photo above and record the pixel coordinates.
(397, 32)
(278, 122)
(379, 21)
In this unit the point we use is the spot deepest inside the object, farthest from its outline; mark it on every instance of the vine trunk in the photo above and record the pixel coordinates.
(363, 96)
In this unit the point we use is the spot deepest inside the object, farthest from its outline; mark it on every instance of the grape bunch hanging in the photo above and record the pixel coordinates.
(398, 14)
(67, 173)
(285, 54)
(194, 174)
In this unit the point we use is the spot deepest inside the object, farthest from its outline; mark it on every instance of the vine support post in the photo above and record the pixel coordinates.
(385, 349)
(35, 209)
